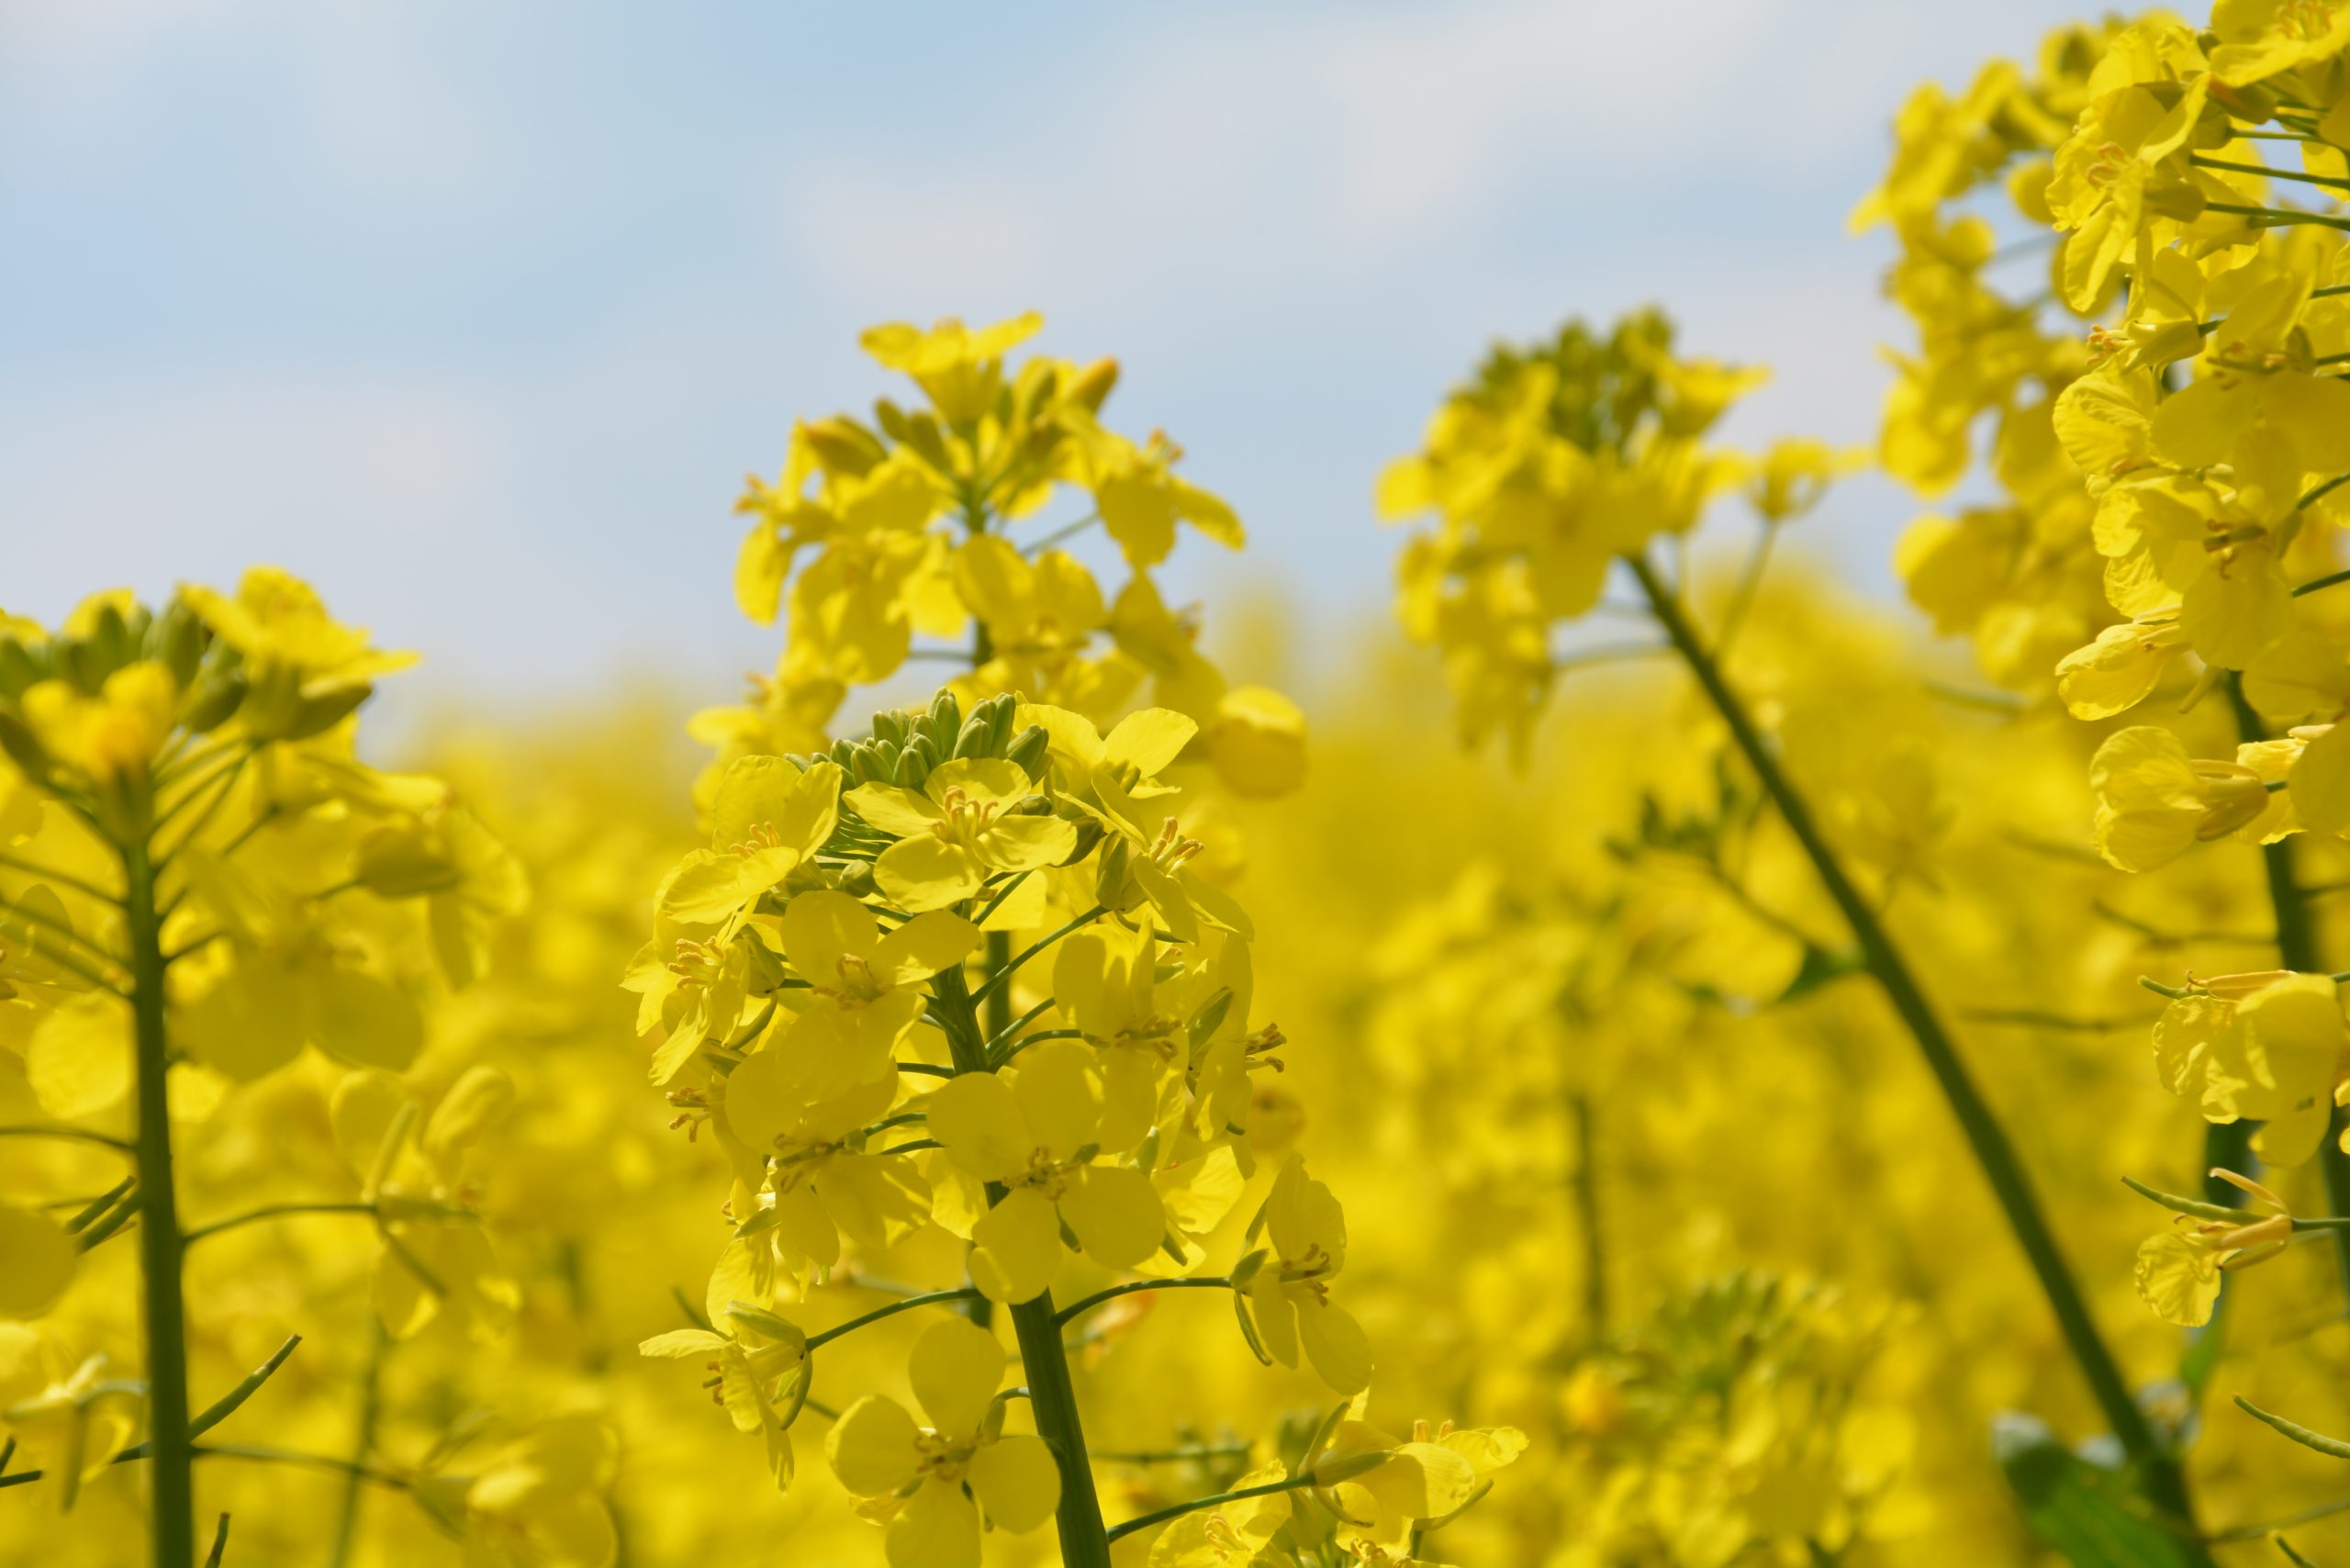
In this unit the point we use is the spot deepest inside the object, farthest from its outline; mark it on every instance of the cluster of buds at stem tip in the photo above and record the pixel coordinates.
(904, 747)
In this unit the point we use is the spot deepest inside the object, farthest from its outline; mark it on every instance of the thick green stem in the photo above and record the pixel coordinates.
(1044, 1361)
(172, 1483)
(1997, 1157)
(2297, 949)
(1085, 1542)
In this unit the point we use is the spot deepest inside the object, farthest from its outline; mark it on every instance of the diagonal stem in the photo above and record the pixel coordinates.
(1992, 1152)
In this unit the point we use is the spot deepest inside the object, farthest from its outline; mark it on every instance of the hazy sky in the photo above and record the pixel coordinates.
(477, 313)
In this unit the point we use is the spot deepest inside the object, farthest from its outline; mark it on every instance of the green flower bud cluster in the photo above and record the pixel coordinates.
(904, 747)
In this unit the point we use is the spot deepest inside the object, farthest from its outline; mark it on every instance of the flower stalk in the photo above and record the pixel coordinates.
(161, 1245)
(2158, 1470)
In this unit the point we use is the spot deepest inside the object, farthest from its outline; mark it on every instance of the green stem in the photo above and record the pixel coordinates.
(1177, 1510)
(363, 1443)
(928, 1298)
(172, 1486)
(1052, 1396)
(1133, 1287)
(1085, 1544)
(1984, 1136)
(2202, 162)
(2296, 950)
(271, 1211)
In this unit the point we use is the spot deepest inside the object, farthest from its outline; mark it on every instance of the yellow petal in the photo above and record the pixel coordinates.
(2176, 1279)
(250, 1023)
(1116, 1212)
(900, 812)
(1059, 1091)
(872, 1446)
(36, 1262)
(982, 781)
(1027, 844)
(753, 792)
(1257, 743)
(78, 1060)
(1149, 740)
(938, 1527)
(821, 928)
(1335, 1344)
(364, 1022)
(977, 1118)
(2319, 782)
(923, 946)
(955, 1368)
(1016, 1247)
(1017, 1481)
(764, 1099)
(921, 874)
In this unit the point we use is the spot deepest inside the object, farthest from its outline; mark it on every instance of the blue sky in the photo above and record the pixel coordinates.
(478, 313)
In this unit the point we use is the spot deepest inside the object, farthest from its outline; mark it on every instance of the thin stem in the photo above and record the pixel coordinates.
(62, 958)
(227, 1404)
(1085, 1304)
(50, 874)
(98, 1206)
(1239, 1495)
(2325, 582)
(1039, 1037)
(890, 1309)
(1068, 530)
(1002, 977)
(2278, 217)
(997, 1021)
(71, 1134)
(2204, 161)
(1170, 1456)
(1002, 1038)
(317, 1461)
(1749, 580)
(274, 1211)
(1001, 893)
(1984, 1136)
(363, 1443)
(172, 1490)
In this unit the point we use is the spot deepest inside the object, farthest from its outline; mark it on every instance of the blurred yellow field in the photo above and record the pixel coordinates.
(1649, 1057)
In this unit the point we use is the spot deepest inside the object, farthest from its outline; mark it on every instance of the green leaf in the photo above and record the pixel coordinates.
(2089, 1514)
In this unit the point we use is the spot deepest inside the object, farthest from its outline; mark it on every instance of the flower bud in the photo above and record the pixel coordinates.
(1346, 1466)
(1090, 388)
(945, 720)
(216, 695)
(972, 741)
(1113, 872)
(1029, 749)
(842, 445)
(317, 715)
(401, 861)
